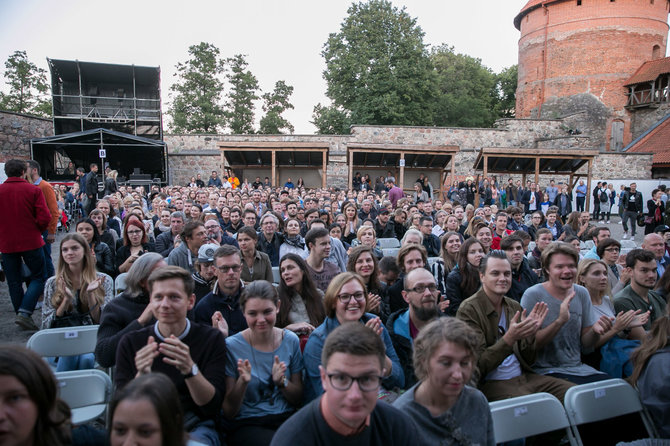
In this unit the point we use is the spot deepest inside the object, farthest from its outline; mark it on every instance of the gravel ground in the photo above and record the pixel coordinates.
(10, 332)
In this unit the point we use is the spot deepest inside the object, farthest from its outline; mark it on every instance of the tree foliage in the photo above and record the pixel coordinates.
(197, 95)
(28, 87)
(241, 96)
(274, 104)
(331, 120)
(506, 82)
(467, 90)
(377, 67)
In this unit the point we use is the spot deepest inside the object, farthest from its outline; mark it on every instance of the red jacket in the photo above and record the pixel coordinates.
(25, 216)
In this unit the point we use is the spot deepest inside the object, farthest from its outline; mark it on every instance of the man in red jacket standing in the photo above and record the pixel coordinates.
(25, 217)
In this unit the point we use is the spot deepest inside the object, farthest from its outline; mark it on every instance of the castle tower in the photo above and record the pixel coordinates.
(575, 55)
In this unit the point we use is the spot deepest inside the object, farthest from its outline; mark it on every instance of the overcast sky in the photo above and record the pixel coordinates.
(283, 39)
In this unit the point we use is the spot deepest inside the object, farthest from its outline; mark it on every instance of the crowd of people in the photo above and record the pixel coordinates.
(260, 315)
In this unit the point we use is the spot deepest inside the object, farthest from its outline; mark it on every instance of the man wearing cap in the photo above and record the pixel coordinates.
(395, 193)
(217, 236)
(204, 275)
(384, 227)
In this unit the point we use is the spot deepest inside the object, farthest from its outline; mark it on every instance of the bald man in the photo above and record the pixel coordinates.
(655, 243)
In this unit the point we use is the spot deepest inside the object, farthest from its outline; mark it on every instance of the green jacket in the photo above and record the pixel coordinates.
(478, 312)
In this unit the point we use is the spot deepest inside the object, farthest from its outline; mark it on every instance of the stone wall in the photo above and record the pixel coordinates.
(16, 131)
(643, 118)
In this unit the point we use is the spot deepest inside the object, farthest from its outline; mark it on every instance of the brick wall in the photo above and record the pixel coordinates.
(16, 131)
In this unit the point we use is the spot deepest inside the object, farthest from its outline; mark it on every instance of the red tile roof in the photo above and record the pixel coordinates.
(649, 71)
(656, 141)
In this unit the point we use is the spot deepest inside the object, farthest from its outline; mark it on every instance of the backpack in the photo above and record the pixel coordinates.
(603, 197)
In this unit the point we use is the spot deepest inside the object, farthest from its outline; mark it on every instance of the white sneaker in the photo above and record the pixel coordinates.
(625, 235)
(608, 222)
(620, 223)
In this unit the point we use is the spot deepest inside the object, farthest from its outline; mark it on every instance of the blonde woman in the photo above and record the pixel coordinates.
(76, 294)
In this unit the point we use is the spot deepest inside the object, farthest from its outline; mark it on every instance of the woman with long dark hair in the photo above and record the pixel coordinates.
(651, 362)
(104, 259)
(463, 281)
(450, 244)
(40, 417)
(301, 308)
(148, 412)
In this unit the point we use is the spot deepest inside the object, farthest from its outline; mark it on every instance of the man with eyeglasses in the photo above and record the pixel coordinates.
(506, 334)
(430, 240)
(348, 412)
(421, 294)
(216, 236)
(221, 307)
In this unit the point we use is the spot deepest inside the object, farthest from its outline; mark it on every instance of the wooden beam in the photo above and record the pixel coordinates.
(453, 169)
(402, 173)
(537, 170)
(351, 169)
(274, 178)
(486, 166)
(255, 145)
(324, 176)
(418, 148)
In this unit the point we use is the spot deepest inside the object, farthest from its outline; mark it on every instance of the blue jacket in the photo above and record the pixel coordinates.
(312, 358)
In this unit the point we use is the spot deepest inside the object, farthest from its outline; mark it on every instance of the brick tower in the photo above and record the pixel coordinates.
(575, 55)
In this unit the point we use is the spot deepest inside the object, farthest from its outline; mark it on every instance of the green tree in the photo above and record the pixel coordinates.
(28, 88)
(331, 120)
(506, 82)
(197, 94)
(274, 104)
(241, 96)
(467, 90)
(377, 67)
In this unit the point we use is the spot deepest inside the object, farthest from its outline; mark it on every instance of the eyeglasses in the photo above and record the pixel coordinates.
(422, 288)
(612, 249)
(134, 232)
(226, 268)
(345, 298)
(342, 381)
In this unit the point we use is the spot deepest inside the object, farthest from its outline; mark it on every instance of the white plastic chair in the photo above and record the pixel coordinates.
(385, 243)
(64, 341)
(529, 415)
(432, 260)
(276, 277)
(589, 244)
(120, 283)
(588, 403)
(531, 246)
(390, 252)
(628, 244)
(87, 392)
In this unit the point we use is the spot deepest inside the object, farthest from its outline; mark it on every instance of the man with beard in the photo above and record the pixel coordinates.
(421, 294)
(506, 335)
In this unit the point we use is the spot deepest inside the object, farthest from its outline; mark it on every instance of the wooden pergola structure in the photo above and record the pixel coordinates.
(536, 161)
(424, 157)
(274, 154)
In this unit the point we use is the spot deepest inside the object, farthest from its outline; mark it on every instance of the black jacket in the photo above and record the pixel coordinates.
(432, 245)
(403, 348)
(386, 231)
(522, 279)
(271, 248)
(92, 184)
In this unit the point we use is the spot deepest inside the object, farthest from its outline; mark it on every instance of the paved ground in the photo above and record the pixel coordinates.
(9, 332)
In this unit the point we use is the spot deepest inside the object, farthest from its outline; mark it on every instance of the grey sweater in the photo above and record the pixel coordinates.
(468, 422)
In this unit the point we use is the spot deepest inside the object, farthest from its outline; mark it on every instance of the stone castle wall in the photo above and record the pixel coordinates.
(16, 131)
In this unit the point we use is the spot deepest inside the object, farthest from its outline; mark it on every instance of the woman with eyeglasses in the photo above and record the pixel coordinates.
(443, 407)
(255, 264)
(135, 243)
(618, 277)
(345, 301)
(263, 370)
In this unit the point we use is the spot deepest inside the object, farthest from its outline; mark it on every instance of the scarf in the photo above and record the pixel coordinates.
(296, 241)
(162, 227)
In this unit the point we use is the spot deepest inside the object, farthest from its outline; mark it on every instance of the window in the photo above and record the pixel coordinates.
(656, 52)
(579, 2)
(616, 140)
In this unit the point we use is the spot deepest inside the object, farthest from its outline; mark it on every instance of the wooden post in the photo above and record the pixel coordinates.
(324, 175)
(223, 161)
(587, 204)
(442, 179)
(351, 169)
(453, 170)
(274, 178)
(401, 178)
(537, 170)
